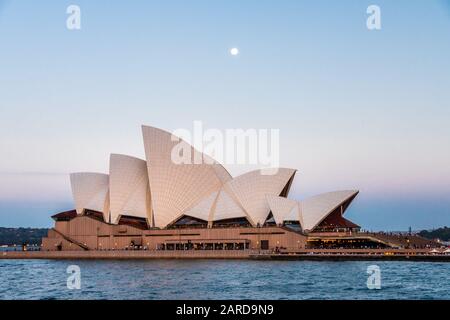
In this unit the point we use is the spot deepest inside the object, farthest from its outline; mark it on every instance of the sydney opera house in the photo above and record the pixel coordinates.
(156, 204)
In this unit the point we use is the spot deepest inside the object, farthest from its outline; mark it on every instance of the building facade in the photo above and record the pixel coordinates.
(160, 204)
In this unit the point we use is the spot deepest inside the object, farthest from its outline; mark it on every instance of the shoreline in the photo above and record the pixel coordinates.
(305, 255)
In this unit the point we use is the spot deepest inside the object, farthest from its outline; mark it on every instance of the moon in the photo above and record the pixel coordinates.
(234, 51)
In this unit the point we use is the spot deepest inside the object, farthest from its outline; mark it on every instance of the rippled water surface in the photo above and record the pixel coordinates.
(222, 279)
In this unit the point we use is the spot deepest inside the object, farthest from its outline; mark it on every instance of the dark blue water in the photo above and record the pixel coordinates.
(222, 279)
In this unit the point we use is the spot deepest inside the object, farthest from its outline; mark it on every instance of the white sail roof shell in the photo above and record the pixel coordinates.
(177, 187)
(129, 188)
(251, 189)
(283, 209)
(219, 205)
(226, 207)
(90, 190)
(202, 210)
(311, 211)
(315, 209)
(243, 196)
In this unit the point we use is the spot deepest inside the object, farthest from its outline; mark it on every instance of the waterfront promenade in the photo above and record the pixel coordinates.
(305, 254)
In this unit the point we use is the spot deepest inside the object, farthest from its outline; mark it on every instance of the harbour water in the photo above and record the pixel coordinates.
(222, 279)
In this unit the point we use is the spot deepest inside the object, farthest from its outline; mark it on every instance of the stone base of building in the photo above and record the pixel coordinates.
(90, 233)
(87, 233)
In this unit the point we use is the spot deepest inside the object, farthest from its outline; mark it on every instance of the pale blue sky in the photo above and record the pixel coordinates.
(356, 109)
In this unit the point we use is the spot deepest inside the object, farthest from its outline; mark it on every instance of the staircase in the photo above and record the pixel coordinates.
(71, 240)
(404, 241)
